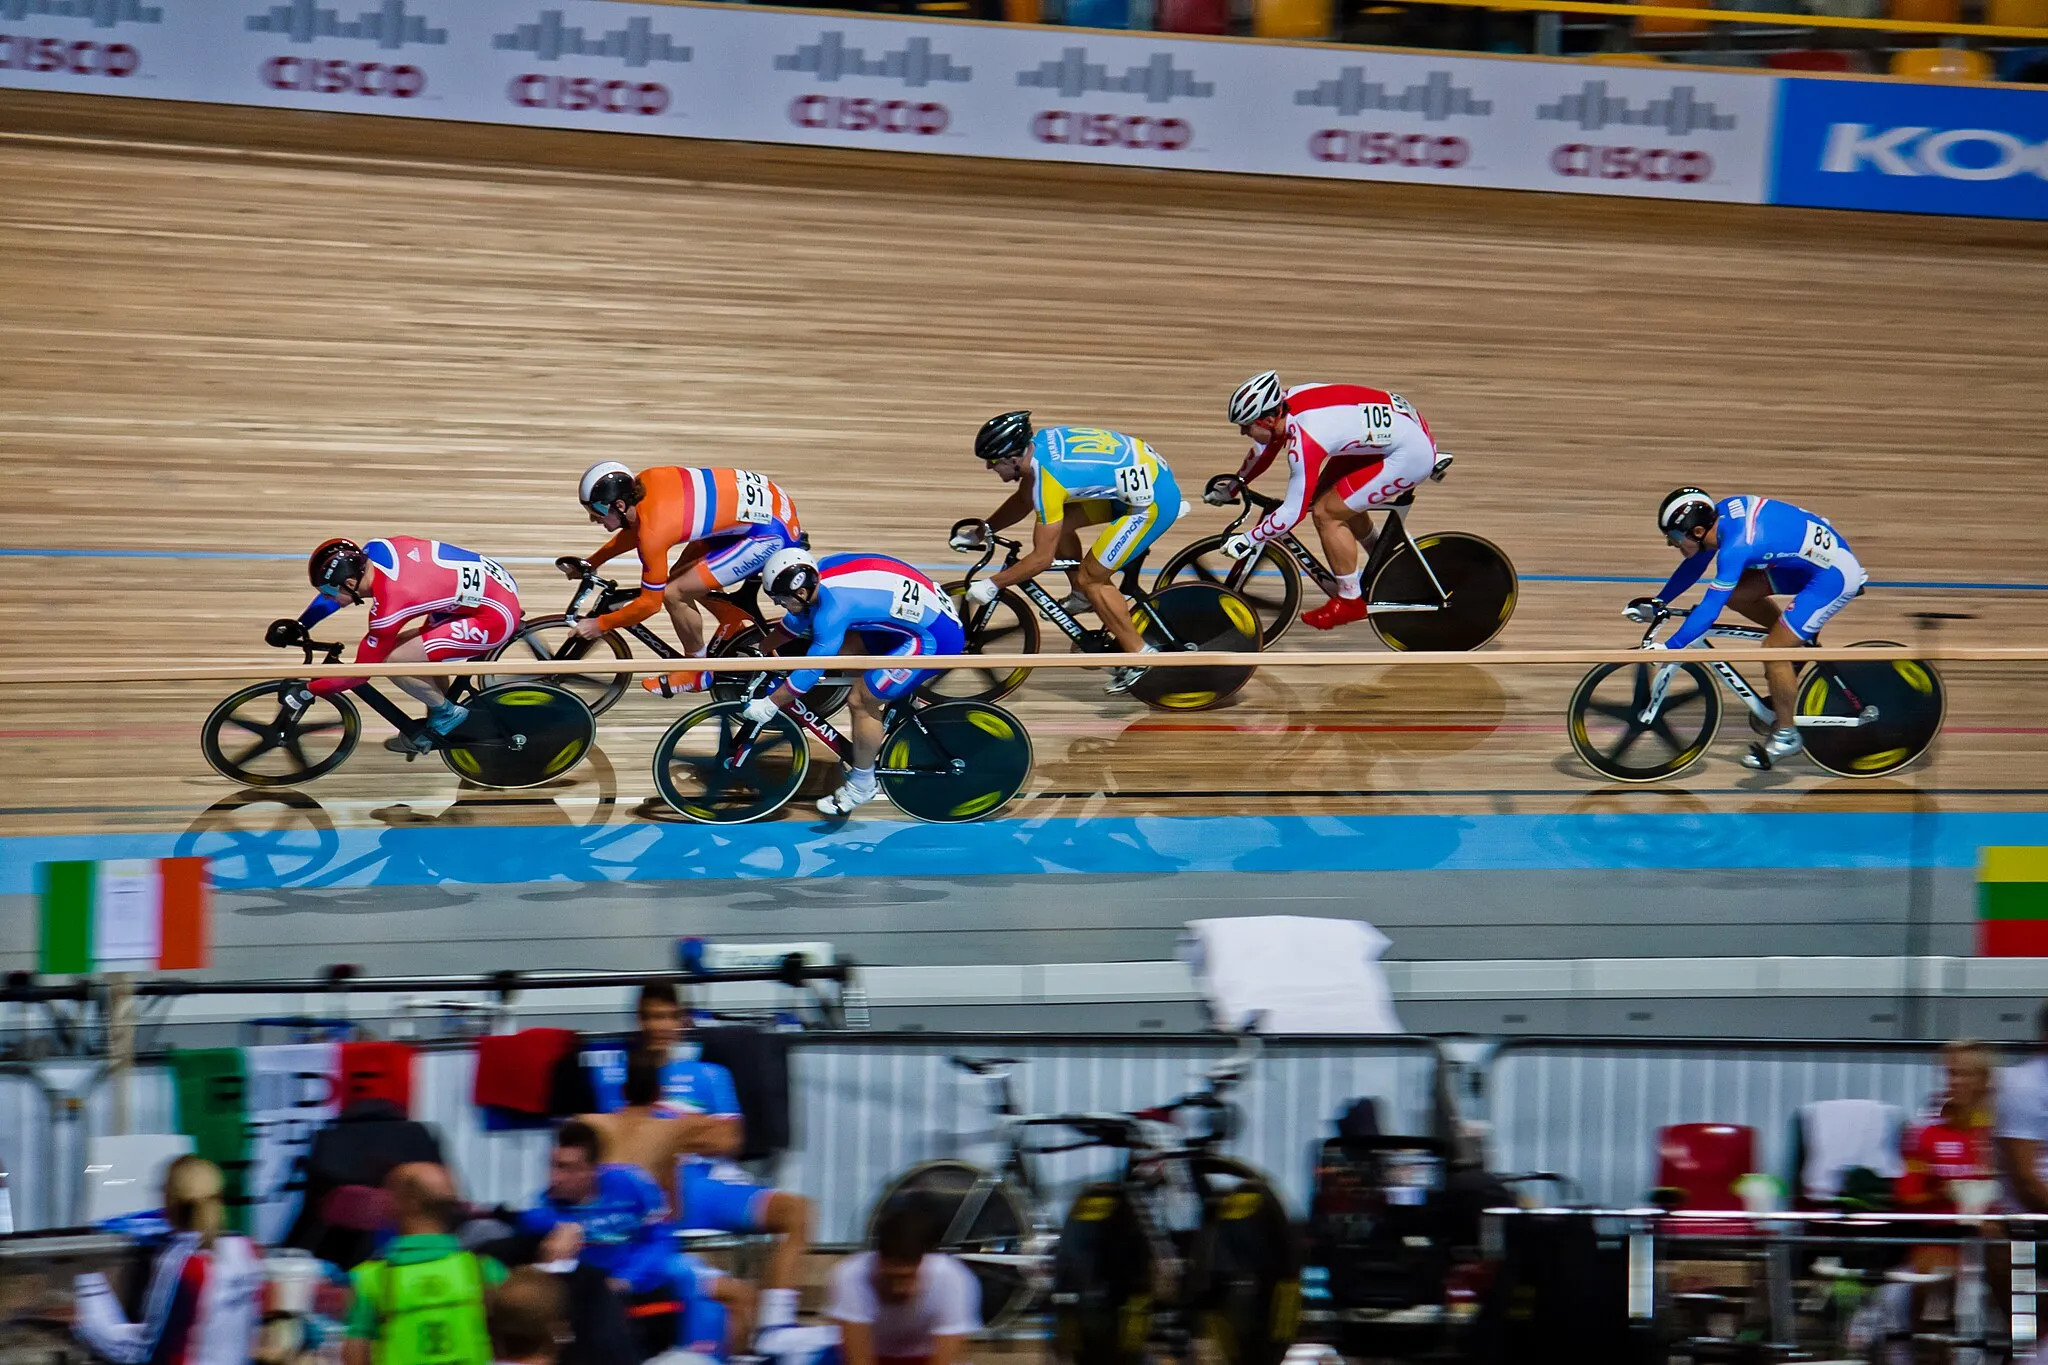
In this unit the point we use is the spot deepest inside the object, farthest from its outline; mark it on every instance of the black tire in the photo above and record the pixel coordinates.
(1000, 1227)
(1911, 704)
(1007, 625)
(520, 735)
(549, 637)
(1270, 580)
(1197, 616)
(1245, 1271)
(1476, 575)
(1607, 731)
(825, 700)
(690, 771)
(1102, 1279)
(269, 739)
(990, 745)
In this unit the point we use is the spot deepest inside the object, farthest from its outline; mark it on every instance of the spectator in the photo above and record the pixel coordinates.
(904, 1302)
(614, 1217)
(205, 1301)
(1957, 1143)
(422, 1301)
(2023, 1126)
(717, 1194)
(528, 1317)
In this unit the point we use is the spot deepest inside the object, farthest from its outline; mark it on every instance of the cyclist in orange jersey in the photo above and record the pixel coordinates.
(726, 522)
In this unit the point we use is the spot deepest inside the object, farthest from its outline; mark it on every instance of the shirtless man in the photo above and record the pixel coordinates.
(638, 1136)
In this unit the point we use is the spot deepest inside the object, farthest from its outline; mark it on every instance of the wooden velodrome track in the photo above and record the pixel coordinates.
(238, 332)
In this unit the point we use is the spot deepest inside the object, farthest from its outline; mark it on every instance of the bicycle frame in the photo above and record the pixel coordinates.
(1049, 607)
(1759, 706)
(1384, 547)
(734, 612)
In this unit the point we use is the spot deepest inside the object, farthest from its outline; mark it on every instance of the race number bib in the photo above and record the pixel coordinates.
(1820, 546)
(469, 584)
(1134, 485)
(908, 602)
(757, 502)
(1402, 406)
(1379, 422)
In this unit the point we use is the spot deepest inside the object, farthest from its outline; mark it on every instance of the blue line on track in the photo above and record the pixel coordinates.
(45, 552)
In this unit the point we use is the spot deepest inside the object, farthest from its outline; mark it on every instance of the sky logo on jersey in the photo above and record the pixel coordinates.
(1913, 148)
(1157, 79)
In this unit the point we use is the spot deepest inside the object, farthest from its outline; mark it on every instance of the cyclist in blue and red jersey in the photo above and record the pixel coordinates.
(1760, 548)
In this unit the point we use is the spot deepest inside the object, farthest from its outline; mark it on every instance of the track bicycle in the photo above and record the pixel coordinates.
(1448, 590)
(741, 632)
(278, 734)
(942, 762)
(1649, 721)
(1190, 616)
(1179, 1242)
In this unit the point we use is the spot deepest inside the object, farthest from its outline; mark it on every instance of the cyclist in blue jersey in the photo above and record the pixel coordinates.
(614, 1217)
(1074, 477)
(857, 604)
(1760, 548)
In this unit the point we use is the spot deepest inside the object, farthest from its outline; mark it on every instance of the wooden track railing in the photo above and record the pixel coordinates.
(133, 671)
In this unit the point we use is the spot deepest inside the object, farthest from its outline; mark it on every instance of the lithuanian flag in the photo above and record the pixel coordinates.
(123, 914)
(2012, 902)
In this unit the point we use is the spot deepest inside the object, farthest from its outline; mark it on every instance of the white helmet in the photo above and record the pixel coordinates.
(1255, 398)
(789, 572)
(605, 483)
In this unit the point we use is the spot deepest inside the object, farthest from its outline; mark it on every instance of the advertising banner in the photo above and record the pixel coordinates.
(1981, 151)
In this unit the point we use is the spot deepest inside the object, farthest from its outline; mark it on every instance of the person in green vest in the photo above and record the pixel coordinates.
(422, 1302)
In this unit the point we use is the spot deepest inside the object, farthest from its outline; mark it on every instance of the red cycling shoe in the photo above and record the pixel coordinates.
(1338, 611)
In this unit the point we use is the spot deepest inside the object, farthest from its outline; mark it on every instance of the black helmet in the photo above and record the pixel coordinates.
(334, 563)
(1683, 511)
(1002, 437)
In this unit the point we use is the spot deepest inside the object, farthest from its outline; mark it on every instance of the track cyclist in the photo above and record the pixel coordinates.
(465, 605)
(1074, 477)
(726, 522)
(1350, 449)
(856, 604)
(1761, 547)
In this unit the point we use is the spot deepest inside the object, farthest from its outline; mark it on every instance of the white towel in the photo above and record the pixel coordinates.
(1844, 1133)
(1296, 974)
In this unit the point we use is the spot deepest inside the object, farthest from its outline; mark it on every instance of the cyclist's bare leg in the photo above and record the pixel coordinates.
(1347, 537)
(1070, 548)
(409, 650)
(1752, 598)
(1109, 604)
(684, 591)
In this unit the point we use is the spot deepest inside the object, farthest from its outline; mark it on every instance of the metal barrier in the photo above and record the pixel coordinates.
(1591, 1108)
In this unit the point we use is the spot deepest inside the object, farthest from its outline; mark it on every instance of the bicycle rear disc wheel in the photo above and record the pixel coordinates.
(1605, 720)
(828, 697)
(1270, 581)
(1479, 594)
(1005, 626)
(1197, 616)
(520, 735)
(1102, 1277)
(1245, 1284)
(1910, 703)
(548, 638)
(701, 772)
(253, 738)
(993, 1233)
(955, 761)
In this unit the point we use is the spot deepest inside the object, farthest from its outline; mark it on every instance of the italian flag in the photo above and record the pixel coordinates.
(123, 914)
(2012, 902)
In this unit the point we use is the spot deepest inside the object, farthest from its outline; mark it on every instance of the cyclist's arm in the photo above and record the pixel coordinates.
(1683, 577)
(1014, 509)
(1304, 469)
(653, 580)
(828, 637)
(627, 539)
(706, 1135)
(319, 609)
(1731, 563)
(374, 649)
(1045, 544)
(1259, 458)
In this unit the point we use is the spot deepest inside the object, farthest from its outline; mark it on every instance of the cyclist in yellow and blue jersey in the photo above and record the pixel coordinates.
(1073, 477)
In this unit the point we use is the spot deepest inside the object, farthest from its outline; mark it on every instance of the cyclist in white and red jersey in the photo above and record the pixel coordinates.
(465, 605)
(1350, 450)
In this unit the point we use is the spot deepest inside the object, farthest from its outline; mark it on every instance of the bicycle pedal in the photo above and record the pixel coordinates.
(1757, 759)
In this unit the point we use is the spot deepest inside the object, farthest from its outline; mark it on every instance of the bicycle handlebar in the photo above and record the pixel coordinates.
(288, 633)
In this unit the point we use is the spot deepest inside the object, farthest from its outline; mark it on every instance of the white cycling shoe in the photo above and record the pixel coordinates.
(848, 798)
(1767, 754)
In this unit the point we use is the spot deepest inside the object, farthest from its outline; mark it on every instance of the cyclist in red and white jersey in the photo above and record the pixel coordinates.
(1350, 450)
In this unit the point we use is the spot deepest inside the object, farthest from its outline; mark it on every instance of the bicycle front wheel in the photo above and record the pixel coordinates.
(1620, 733)
(1245, 1273)
(986, 1229)
(1102, 1276)
(1195, 616)
(703, 770)
(1004, 626)
(520, 735)
(1478, 585)
(1901, 701)
(955, 761)
(549, 638)
(255, 739)
(1270, 581)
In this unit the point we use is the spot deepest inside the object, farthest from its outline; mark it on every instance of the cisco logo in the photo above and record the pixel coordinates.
(1952, 153)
